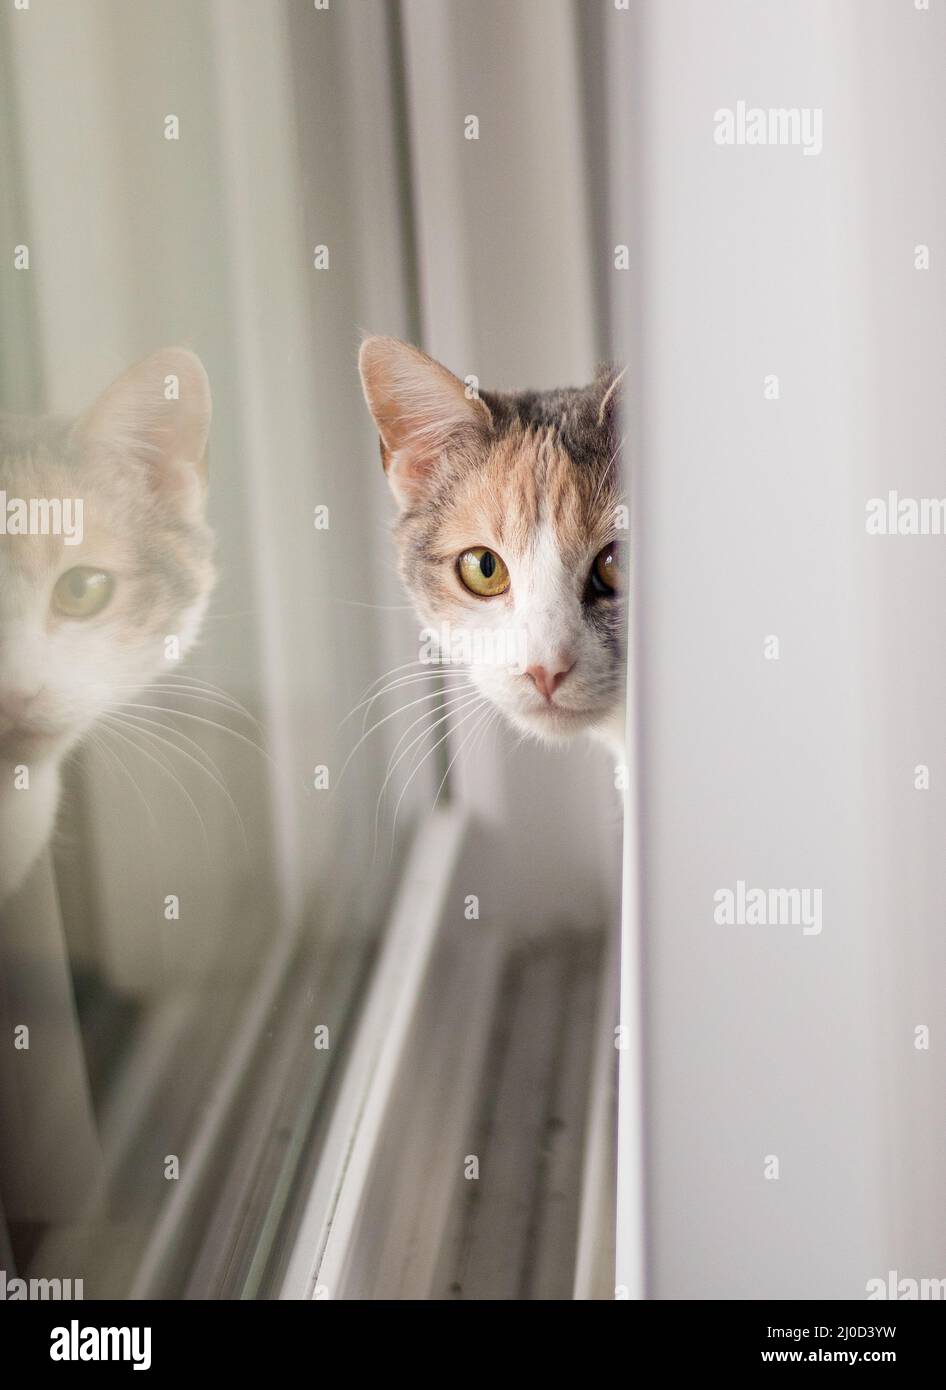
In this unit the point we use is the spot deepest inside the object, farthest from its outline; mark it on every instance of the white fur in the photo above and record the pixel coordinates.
(78, 669)
(82, 668)
(552, 631)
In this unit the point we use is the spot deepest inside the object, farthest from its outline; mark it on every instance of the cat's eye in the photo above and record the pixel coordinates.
(605, 577)
(483, 572)
(82, 592)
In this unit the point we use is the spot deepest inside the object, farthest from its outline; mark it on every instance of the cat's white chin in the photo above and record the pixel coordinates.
(556, 724)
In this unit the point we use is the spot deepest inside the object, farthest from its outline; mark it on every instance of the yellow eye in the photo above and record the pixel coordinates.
(605, 575)
(81, 592)
(483, 572)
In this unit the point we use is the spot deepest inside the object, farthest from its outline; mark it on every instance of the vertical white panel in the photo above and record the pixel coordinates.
(764, 1043)
(899, 65)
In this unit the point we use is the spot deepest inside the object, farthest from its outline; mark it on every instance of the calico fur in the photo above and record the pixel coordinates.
(535, 477)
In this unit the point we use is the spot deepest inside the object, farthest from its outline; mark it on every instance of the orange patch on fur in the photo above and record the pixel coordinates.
(499, 501)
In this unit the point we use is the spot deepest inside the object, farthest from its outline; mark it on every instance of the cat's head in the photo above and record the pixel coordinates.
(90, 592)
(508, 533)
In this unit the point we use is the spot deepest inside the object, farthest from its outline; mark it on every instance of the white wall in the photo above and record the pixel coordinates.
(798, 772)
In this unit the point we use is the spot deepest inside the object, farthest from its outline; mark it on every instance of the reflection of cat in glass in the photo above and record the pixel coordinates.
(509, 512)
(86, 610)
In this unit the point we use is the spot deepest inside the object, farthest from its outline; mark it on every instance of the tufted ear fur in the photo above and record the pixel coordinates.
(421, 410)
(608, 381)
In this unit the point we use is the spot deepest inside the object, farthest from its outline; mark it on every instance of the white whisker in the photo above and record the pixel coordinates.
(393, 765)
(414, 773)
(213, 772)
(393, 672)
(485, 717)
(97, 737)
(184, 694)
(201, 719)
(118, 733)
(402, 709)
(398, 684)
(458, 697)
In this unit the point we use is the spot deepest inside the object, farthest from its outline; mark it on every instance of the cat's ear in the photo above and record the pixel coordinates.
(158, 411)
(421, 411)
(608, 390)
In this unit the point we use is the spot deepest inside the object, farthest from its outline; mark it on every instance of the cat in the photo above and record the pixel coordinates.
(86, 610)
(508, 530)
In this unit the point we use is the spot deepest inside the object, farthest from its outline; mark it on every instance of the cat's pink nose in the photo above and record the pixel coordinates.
(548, 680)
